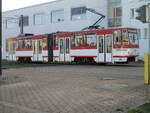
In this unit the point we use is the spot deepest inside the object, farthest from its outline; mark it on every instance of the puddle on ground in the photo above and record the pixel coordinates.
(108, 78)
(18, 84)
(114, 86)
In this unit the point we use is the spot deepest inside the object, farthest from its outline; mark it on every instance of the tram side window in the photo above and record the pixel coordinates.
(40, 46)
(44, 44)
(12, 47)
(117, 37)
(55, 42)
(24, 43)
(61, 46)
(79, 41)
(83, 40)
(101, 44)
(108, 44)
(91, 40)
(28, 43)
(73, 41)
(20, 44)
(133, 37)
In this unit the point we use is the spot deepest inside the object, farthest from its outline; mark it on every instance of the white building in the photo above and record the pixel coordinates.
(129, 19)
(69, 15)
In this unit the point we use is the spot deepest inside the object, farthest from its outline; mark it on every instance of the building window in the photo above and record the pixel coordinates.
(11, 23)
(39, 19)
(117, 12)
(55, 42)
(78, 13)
(115, 18)
(132, 13)
(145, 33)
(57, 16)
(114, 13)
(25, 21)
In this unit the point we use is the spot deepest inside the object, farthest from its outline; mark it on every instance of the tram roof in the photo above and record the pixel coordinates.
(98, 32)
(69, 34)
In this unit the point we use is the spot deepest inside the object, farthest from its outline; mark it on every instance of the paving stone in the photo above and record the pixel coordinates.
(72, 89)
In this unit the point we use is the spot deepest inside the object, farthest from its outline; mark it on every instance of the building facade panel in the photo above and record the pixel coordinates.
(69, 15)
(129, 20)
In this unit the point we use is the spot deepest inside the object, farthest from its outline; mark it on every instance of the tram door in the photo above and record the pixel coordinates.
(37, 50)
(64, 49)
(105, 48)
(108, 48)
(100, 44)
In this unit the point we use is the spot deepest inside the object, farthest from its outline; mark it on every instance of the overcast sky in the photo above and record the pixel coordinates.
(14, 4)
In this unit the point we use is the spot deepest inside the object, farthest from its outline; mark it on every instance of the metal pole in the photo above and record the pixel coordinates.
(149, 27)
(21, 24)
(149, 36)
(1, 38)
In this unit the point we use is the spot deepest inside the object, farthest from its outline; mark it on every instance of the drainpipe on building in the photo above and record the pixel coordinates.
(21, 24)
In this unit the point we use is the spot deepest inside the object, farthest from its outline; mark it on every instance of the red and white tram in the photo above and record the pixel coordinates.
(101, 46)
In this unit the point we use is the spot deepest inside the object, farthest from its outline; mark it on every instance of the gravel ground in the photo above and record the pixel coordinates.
(73, 89)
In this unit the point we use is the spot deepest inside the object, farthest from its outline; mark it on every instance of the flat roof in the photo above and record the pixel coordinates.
(33, 6)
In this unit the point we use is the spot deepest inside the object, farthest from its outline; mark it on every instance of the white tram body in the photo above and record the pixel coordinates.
(100, 46)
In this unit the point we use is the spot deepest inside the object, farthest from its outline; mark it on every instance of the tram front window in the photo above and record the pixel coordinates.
(132, 34)
(125, 38)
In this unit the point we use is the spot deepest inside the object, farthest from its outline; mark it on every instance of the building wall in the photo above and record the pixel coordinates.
(48, 27)
(70, 25)
(114, 13)
(128, 21)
